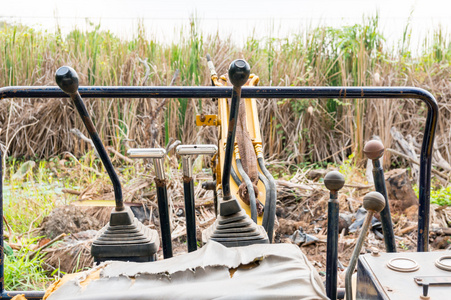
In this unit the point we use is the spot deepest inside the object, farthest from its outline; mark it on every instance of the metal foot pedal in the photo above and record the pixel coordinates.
(234, 228)
(124, 238)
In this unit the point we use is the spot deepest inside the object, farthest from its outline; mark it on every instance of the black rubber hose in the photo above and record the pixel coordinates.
(250, 190)
(268, 197)
(270, 204)
(235, 177)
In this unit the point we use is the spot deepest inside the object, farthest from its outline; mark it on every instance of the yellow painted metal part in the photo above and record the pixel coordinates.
(107, 203)
(94, 203)
(207, 120)
(253, 126)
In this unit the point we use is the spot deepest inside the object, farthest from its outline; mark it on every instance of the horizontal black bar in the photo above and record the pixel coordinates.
(30, 295)
(215, 92)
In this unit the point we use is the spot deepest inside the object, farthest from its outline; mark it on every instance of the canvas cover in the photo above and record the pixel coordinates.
(268, 271)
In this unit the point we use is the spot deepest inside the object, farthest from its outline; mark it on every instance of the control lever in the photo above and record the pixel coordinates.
(124, 237)
(233, 228)
(374, 150)
(239, 72)
(186, 152)
(334, 181)
(158, 155)
(373, 202)
(67, 80)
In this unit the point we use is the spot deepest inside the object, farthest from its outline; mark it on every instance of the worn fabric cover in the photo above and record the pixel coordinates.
(268, 271)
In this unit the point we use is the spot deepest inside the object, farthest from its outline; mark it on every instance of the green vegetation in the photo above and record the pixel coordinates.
(24, 271)
(440, 196)
(31, 191)
(308, 130)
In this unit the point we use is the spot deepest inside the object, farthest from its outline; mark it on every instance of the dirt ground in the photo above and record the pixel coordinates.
(299, 210)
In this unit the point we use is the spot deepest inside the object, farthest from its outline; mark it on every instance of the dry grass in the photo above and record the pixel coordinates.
(308, 130)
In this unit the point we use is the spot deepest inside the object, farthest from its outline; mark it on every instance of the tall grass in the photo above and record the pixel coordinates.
(308, 130)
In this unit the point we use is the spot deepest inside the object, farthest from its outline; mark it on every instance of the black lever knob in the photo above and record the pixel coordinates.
(374, 201)
(67, 79)
(239, 72)
(334, 181)
(374, 149)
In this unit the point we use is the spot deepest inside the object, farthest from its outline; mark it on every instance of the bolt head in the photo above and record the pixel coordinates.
(334, 180)
(67, 79)
(374, 201)
(374, 149)
(239, 72)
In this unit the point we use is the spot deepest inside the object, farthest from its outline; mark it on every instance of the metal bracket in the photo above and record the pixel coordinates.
(207, 120)
(432, 280)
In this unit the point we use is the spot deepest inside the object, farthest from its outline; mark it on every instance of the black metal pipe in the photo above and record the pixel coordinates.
(332, 243)
(250, 190)
(29, 295)
(235, 177)
(220, 92)
(386, 221)
(270, 205)
(265, 182)
(67, 80)
(163, 211)
(278, 92)
(334, 181)
(190, 213)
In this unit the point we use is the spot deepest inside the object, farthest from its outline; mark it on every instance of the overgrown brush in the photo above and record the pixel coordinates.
(309, 130)
(24, 271)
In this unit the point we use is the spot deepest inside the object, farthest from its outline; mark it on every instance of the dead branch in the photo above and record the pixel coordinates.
(414, 161)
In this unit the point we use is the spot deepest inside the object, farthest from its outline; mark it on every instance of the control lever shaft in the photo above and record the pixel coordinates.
(239, 72)
(373, 202)
(374, 150)
(334, 181)
(158, 155)
(67, 80)
(186, 152)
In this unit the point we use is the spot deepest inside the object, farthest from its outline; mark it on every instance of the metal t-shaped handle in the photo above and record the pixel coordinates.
(158, 155)
(186, 151)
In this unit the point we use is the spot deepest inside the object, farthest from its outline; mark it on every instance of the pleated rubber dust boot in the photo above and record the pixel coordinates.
(124, 238)
(234, 228)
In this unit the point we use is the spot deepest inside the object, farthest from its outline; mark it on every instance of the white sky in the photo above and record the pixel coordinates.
(239, 19)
